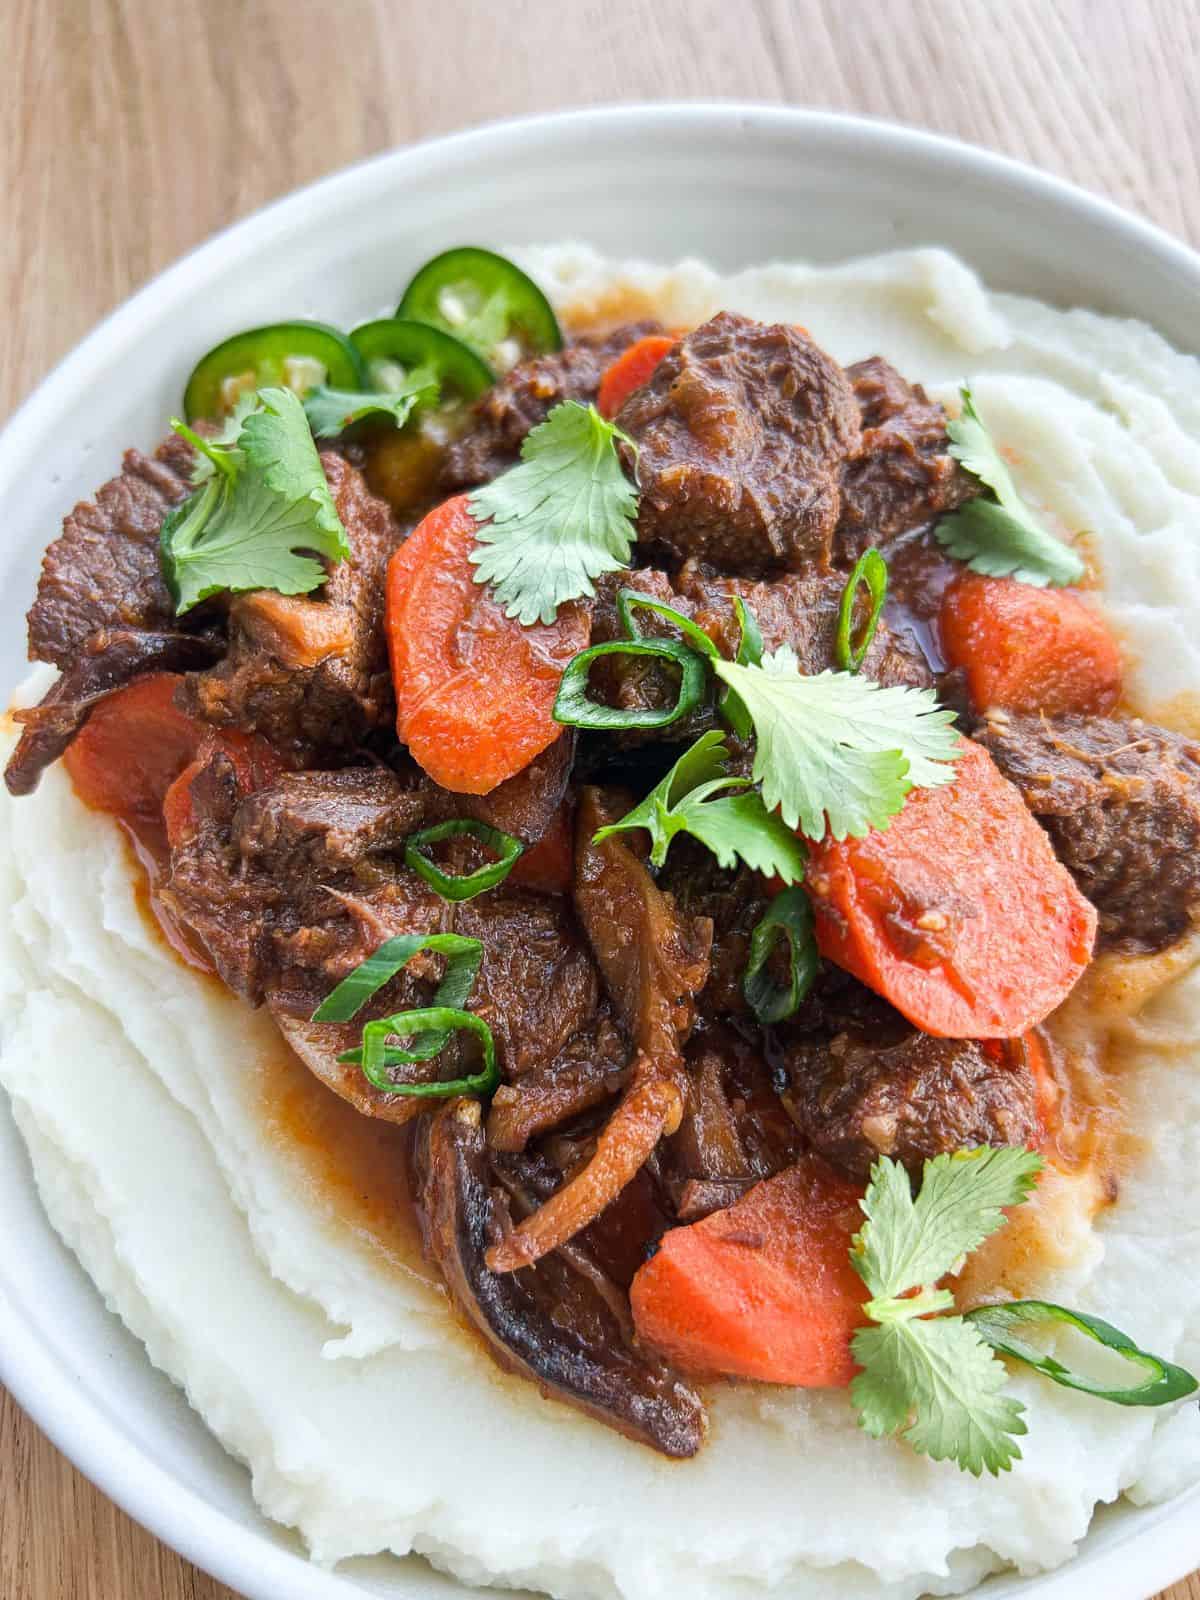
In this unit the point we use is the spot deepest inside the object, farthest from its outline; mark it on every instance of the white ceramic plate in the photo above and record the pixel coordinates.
(745, 184)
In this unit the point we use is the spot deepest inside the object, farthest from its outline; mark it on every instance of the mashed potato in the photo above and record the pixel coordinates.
(301, 1328)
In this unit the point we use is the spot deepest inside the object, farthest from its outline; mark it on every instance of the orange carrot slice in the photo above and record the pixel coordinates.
(959, 913)
(474, 688)
(763, 1290)
(1028, 649)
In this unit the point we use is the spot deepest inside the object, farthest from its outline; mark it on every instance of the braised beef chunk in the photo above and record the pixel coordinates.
(561, 1323)
(309, 822)
(310, 672)
(800, 611)
(590, 1069)
(797, 610)
(103, 571)
(858, 1096)
(528, 394)
(734, 1130)
(734, 901)
(104, 663)
(1120, 799)
(742, 434)
(904, 474)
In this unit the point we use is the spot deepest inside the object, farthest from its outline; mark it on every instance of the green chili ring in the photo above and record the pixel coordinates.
(871, 569)
(265, 353)
(463, 956)
(467, 885)
(749, 654)
(629, 600)
(789, 913)
(376, 1056)
(1165, 1382)
(498, 287)
(575, 709)
(412, 345)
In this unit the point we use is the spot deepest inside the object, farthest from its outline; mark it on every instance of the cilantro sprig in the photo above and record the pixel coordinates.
(836, 751)
(559, 519)
(261, 505)
(332, 411)
(733, 826)
(997, 534)
(932, 1376)
(934, 1379)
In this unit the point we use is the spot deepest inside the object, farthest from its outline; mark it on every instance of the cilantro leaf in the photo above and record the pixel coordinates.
(332, 411)
(938, 1384)
(559, 519)
(838, 750)
(265, 502)
(908, 1244)
(735, 827)
(998, 535)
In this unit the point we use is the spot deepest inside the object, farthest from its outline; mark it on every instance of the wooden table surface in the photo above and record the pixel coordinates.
(131, 129)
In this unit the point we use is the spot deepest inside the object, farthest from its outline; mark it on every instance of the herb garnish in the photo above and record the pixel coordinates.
(931, 1377)
(262, 499)
(733, 826)
(870, 569)
(332, 411)
(790, 915)
(427, 1030)
(559, 519)
(839, 752)
(462, 886)
(997, 534)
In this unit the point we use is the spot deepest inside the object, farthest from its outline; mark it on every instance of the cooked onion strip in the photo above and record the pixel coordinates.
(651, 1108)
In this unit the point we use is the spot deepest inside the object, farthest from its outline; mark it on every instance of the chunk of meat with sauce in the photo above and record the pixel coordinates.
(103, 571)
(800, 611)
(562, 1323)
(733, 900)
(901, 1093)
(310, 672)
(1120, 799)
(904, 474)
(742, 434)
(526, 396)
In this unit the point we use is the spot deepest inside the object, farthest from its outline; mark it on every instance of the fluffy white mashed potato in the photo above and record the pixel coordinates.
(367, 1420)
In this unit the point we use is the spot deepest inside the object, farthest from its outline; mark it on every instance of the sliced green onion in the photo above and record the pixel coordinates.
(574, 707)
(351, 995)
(870, 569)
(790, 913)
(463, 886)
(1163, 1382)
(631, 600)
(378, 1058)
(749, 654)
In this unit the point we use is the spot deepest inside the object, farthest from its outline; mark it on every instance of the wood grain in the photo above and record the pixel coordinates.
(131, 129)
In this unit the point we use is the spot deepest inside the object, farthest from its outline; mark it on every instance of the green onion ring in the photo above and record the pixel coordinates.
(574, 708)
(790, 913)
(629, 600)
(351, 995)
(467, 885)
(377, 1057)
(749, 654)
(1164, 1381)
(870, 569)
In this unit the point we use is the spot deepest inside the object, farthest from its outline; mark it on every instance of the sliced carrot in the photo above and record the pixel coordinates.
(959, 913)
(549, 865)
(474, 688)
(132, 747)
(1028, 649)
(137, 753)
(254, 761)
(631, 369)
(764, 1289)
